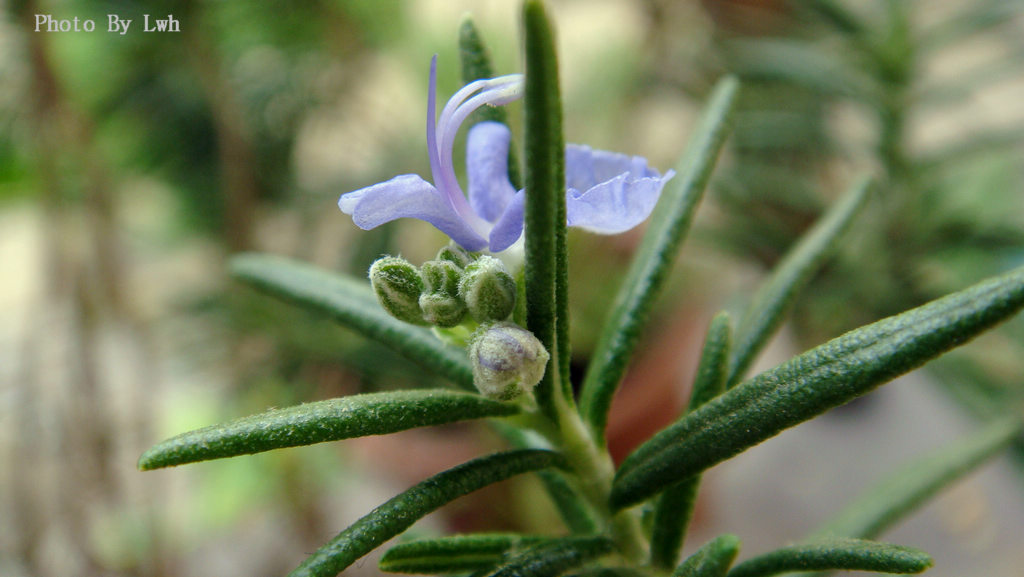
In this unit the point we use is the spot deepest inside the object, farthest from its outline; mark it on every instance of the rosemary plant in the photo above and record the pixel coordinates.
(499, 335)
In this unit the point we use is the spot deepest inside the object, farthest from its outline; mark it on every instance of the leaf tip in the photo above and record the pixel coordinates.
(535, 10)
(467, 26)
(148, 461)
(619, 498)
(730, 82)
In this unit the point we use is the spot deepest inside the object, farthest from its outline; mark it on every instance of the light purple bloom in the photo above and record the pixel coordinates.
(605, 192)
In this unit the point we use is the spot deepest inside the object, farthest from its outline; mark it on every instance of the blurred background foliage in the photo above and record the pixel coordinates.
(915, 92)
(131, 165)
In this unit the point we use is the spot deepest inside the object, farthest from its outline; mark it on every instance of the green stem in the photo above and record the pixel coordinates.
(546, 283)
(595, 470)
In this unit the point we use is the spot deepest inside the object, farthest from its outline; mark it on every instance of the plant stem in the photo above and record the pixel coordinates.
(595, 470)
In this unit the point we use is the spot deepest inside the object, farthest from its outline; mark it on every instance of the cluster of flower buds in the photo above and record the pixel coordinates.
(445, 291)
(467, 291)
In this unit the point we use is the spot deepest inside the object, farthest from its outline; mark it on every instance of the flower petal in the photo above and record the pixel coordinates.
(408, 196)
(510, 226)
(585, 167)
(487, 166)
(609, 193)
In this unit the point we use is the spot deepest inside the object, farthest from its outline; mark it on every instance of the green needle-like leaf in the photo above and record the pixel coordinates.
(330, 420)
(546, 272)
(711, 560)
(971, 20)
(972, 147)
(813, 382)
(712, 369)
(455, 554)
(802, 63)
(400, 512)
(350, 302)
(892, 499)
(554, 557)
(832, 554)
(839, 16)
(674, 509)
(778, 294)
(476, 64)
(649, 271)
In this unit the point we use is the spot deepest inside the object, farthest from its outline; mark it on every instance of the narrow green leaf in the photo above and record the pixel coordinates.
(476, 64)
(455, 554)
(649, 270)
(896, 496)
(546, 271)
(969, 83)
(839, 16)
(833, 554)
(777, 295)
(554, 557)
(711, 560)
(713, 366)
(350, 302)
(401, 511)
(972, 19)
(970, 148)
(813, 382)
(802, 63)
(674, 508)
(317, 422)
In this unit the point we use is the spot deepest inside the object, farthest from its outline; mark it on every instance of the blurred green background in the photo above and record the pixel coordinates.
(132, 165)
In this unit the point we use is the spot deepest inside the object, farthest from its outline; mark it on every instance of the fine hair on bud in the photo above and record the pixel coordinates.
(398, 286)
(440, 300)
(488, 290)
(455, 254)
(507, 360)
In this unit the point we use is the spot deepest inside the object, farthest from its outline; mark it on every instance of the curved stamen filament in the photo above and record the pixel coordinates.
(509, 89)
(446, 132)
(441, 133)
(500, 86)
(440, 163)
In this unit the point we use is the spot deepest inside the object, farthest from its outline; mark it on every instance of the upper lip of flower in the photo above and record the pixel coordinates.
(606, 192)
(441, 133)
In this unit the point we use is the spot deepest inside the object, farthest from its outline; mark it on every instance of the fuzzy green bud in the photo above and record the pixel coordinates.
(488, 290)
(507, 360)
(440, 300)
(398, 287)
(456, 254)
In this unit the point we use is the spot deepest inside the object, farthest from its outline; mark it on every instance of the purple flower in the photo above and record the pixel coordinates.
(605, 192)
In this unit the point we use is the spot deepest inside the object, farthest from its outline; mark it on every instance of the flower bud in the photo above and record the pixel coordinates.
(440, 300)
(456, 254)
(507, 360)
(398, 286)
(488, 290)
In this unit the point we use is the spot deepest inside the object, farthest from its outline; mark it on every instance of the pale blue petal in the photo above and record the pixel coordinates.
(408, 196)
(609, 193)
(585, 167)
(510, 226)
(487, 169)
